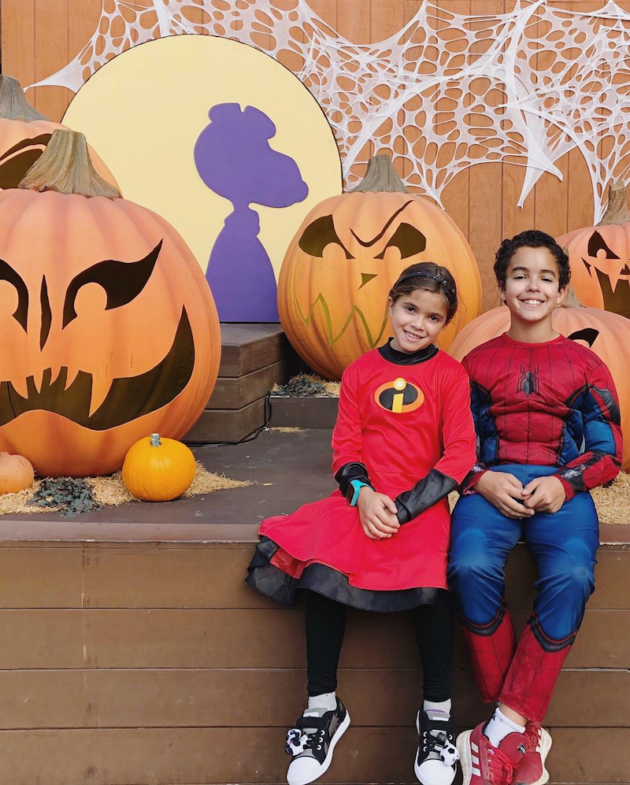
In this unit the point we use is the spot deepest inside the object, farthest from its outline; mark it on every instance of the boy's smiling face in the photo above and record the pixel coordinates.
(531, 289)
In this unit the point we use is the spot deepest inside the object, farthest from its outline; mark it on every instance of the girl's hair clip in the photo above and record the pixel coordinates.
(435, 277)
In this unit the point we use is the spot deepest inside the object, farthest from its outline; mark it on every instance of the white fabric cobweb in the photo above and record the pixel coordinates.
(446, 92)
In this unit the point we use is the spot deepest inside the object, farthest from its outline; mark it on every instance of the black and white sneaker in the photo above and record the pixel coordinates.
(436, 760)
(312, 742)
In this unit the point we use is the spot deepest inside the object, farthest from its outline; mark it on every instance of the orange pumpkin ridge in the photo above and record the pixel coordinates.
(24, 134)
(609, 338)
(600, 257)
(346, 255)
(108, 330)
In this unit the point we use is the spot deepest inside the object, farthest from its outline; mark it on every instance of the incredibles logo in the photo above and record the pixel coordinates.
(399, 396)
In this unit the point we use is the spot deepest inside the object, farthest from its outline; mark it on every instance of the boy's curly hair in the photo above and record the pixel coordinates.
(532, 238)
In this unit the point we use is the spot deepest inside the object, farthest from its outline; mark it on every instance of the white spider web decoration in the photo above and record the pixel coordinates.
(446, 92)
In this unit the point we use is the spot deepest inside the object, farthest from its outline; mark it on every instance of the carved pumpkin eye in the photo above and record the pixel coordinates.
(122, 282)
(596, 243)
(408, 240)
(318, 235)
(7, 273)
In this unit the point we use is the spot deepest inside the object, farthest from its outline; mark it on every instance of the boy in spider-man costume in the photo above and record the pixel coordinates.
(547, 419)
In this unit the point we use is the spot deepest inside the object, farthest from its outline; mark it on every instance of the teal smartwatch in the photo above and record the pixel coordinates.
(356, 487)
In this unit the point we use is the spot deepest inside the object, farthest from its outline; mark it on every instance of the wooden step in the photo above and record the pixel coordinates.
(210, 755)
(249, 347)
(228, 425)
(254, 357)
(315, 412)
(235, 392)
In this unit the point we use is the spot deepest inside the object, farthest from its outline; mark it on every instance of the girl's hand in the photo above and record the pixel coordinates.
(505, 492)
(377, 513)
(546, 494)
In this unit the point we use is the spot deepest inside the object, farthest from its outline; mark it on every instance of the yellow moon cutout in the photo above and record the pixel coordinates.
(145, 110)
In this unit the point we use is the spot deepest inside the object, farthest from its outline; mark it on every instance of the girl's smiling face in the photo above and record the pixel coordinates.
(417, 319)
(531, 289)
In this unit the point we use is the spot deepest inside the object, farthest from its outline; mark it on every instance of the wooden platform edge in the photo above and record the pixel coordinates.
(62, 531)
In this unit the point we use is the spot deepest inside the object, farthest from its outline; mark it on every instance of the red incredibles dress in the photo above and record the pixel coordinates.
(407, 420)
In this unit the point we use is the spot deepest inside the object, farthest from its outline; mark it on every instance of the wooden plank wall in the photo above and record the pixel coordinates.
(155, 665)
(40, 36)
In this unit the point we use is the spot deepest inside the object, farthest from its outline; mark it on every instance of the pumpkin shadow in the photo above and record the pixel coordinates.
(234, 159)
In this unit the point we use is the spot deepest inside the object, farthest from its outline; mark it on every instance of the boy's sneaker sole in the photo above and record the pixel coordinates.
(343, 727)
(465, 759)
(545, 746)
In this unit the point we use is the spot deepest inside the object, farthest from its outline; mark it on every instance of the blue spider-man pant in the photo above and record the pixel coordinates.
(564, 545)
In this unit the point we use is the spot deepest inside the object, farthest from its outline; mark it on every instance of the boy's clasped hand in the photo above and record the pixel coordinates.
(507, 493)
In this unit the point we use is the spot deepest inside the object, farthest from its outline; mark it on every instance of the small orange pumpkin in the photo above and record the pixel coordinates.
(607, 334)
(600, 257)
(24, 134)
(158, 470)
(16, 473)
(108, 329)
(341, 264)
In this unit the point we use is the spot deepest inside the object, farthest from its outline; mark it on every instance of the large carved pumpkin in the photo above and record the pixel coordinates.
(607, 334)
(108, 330)
(340, 266)
(24, 134)
(600, 257)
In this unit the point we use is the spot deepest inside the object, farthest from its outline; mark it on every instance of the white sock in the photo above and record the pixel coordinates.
(500, 726)
(326, 701)
(435, 708)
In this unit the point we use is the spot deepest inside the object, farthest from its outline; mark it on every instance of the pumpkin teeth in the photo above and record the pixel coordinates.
(38, 379)
(100, 390)
(72, 375)
(54, 373)
(20, 386)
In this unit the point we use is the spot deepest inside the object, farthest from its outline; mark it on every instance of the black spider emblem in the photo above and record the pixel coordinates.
(528, 381)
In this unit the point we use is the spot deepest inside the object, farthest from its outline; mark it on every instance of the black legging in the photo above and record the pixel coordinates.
(326, 625)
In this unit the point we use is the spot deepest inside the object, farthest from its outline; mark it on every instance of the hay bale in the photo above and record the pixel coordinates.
(307, 385)
(111, 491)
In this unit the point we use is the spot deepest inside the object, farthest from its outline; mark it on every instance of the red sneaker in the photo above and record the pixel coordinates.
(484, 764)
(531, 770)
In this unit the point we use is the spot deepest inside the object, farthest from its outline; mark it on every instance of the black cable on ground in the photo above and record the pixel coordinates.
(250, 437)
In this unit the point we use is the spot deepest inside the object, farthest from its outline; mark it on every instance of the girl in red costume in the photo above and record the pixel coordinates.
(404, 439)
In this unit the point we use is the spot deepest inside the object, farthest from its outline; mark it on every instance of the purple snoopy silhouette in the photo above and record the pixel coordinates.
(234, 159)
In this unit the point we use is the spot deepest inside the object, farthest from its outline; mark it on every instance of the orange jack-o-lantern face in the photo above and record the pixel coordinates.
(340, 267)
(609, 273)
(107, 330)
(600, 257)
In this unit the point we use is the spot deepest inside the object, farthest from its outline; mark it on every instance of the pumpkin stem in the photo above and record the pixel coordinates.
(617, 210)
(571, 300)
(155, 440)
(380, 176)
(65, 167)
(13, 103)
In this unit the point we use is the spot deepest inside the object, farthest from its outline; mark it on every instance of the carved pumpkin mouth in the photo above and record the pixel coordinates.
(320, 300)
(127, 399)
(18, 159)
(617, 300)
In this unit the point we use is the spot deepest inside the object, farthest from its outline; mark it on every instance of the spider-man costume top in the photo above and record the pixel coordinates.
(538, 403)
(540, 409)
